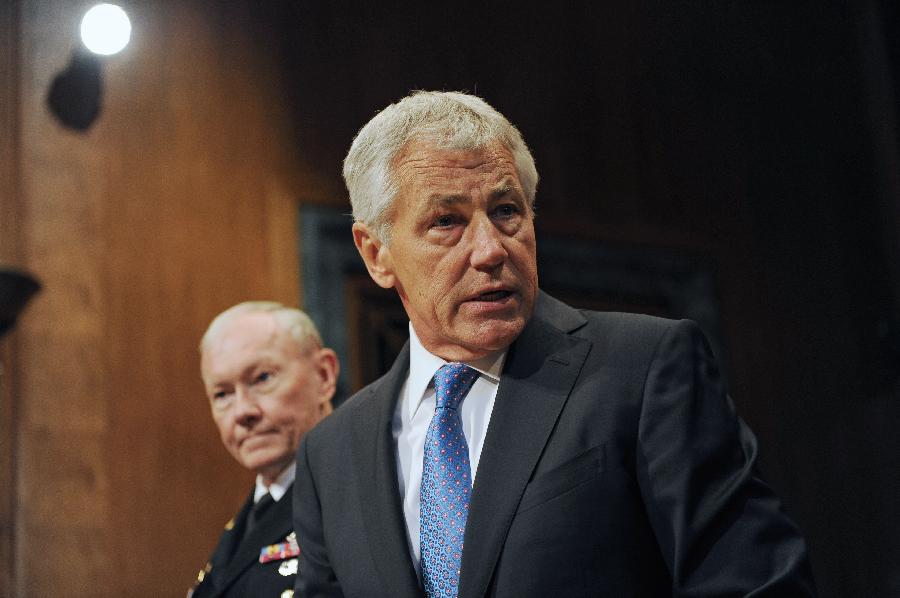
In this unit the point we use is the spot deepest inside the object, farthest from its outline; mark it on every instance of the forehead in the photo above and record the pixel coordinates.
(243, 341)
(427, 169)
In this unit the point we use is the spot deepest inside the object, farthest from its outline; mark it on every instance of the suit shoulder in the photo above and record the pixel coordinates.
(593, 324)
(627, 324)
(360, 404)
(626, 336)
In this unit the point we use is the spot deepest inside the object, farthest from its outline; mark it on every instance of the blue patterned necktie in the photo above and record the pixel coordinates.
(446, 484)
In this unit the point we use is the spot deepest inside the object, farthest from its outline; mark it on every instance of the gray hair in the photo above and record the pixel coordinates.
(293, 321)
(451, 119)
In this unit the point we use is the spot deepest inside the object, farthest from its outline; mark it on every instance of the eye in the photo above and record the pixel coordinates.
(220, 398)
(444, 221)
(263, 377)
(506, 211)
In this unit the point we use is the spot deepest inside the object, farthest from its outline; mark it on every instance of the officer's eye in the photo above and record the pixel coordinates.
(220, 397)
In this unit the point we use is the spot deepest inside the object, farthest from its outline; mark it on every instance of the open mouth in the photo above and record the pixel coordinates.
(492, 296)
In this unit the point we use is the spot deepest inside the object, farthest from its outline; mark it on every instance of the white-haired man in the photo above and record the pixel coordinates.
(269, 380)
(606, 457)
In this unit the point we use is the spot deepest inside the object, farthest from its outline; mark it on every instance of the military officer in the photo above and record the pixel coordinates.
(269, 380)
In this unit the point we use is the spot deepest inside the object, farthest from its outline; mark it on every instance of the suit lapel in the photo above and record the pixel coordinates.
(376, 469)
(539, 374)
(275, 525)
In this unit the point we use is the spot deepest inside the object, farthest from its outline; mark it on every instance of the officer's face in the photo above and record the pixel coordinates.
(265, 392)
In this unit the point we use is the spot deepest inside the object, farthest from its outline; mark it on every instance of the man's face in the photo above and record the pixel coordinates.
(264, 392)
(462, 249)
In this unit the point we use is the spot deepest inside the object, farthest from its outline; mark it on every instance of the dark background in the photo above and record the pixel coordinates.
(760, 136)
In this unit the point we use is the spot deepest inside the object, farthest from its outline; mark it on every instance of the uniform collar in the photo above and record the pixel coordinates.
(278, 487)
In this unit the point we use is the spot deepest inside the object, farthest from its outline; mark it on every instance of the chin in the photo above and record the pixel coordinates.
(496, 336)
(261, 460)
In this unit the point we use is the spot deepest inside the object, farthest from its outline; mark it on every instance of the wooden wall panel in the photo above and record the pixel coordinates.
(7, 479)
(9, 256)
(9, 85)
(178, 202)
(62, 482)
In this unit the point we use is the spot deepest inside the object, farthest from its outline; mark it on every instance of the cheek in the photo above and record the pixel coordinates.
(441, 301)
(296, 411)
(526, 261)
(223, 425)
(442, 285)
(449, 271)
(428, 293)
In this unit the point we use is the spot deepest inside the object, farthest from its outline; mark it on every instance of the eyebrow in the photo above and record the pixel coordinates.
(261, 362)
(502, 190)
(435, 200)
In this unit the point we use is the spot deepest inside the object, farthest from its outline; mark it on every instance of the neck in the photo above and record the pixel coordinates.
(270, 476)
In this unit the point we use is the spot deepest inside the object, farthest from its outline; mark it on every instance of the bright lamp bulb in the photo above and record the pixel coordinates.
(105, 29)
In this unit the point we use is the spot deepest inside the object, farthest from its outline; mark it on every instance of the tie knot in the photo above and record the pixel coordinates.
(451, 383)
(264, 502)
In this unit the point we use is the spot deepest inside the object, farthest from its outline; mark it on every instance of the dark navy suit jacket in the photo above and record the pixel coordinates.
(614, 465)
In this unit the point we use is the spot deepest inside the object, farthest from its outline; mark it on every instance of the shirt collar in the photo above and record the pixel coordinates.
(423, 365)
(278, 488)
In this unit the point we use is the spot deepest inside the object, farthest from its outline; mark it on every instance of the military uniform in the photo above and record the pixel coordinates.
(261, 563)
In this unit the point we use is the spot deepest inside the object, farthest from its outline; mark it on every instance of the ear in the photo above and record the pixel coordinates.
(375, 254)
(327, 369)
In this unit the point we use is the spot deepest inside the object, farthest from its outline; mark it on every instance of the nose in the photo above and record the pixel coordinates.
(246, 409)
(488, 251)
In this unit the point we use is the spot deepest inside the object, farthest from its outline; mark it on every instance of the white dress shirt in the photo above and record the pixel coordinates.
(276, 488)
(415, 408)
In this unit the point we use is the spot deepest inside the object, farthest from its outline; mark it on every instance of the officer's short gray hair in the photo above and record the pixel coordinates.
(291, 320)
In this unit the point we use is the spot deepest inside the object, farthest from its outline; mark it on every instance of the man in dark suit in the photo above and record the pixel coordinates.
(269, 380)
(520, 447)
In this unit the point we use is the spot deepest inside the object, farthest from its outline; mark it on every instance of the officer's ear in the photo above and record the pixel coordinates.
(375, 254)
